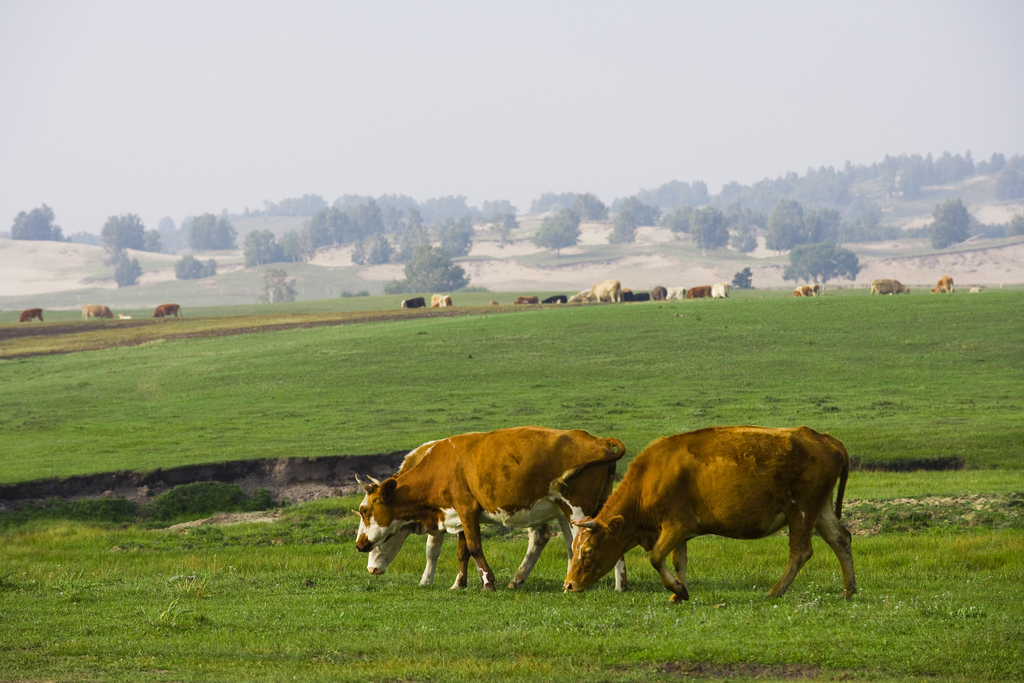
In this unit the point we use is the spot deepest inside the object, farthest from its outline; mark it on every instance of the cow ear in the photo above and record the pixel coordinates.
(387, 489)
(615, 525)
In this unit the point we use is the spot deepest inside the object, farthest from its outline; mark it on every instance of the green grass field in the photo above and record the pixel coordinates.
(896, 378)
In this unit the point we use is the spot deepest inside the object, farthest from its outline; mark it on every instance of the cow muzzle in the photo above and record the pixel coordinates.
(363, 544)
(376, 571)
(570, 587)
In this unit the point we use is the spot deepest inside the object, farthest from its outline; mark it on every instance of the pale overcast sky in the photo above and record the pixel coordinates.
(180, 108)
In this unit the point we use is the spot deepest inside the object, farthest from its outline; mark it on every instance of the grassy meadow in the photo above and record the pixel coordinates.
(898, 379)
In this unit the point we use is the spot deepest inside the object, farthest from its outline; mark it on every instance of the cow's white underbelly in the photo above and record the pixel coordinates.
(543, 510)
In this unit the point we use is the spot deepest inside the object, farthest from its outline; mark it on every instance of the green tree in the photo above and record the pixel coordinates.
(123, 232)
(823, 261)
(372, 250)
(126, 271)
(277, 287)
(365, 219)
(151, 241)
(679, 220)
(743, 279)
(208, 232)
(294, 246)
(821, 226)
(36, 224)
(325, 228)
(743, 239)
(414, 235)
(589, 208)
(506, 223)
(951, 225)
(785, 226)
(1016, 226)
(559, 231)
(457, 236)
(191, 268)
(708, 227)
(260, 247)
(429, 270)
(632, 214)
(1009, 184)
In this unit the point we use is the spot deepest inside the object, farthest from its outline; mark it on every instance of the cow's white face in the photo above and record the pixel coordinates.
(382, 555)
(376, 523)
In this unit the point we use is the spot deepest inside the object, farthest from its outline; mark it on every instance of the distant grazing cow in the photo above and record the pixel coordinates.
(522, 477)
(659, 293)
(807, 290)
(586, 296)
(737, 482)
(588, 490)
(676, 293)
(446, 301)
(28, 314)
(974, 290)
(628, 295)
(884, 286)
(416, 302)
(435, 301)
(945, 285)
(641, 296)
(702, 292)
(720, 290)
(527, 300)
(556, 299)
(167, 310)
(609, 290)
(493, 302)
(96, 311)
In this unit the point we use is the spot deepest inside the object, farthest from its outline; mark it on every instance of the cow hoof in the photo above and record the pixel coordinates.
(513, 584)
(679, 597)
(488, 588)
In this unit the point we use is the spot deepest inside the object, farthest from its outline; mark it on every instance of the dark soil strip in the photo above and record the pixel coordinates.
(925, 464)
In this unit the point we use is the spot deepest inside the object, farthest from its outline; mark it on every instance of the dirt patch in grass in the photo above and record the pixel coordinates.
(229, 518)
(778, 672)
(871, 517)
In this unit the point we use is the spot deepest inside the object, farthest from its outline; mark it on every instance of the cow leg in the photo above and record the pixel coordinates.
(668, 542)
(621, 584)
(679, 562)
(434, 541)
(838, 538)
(800, 551)
(463, 555)
(539, 537)
(471, 532)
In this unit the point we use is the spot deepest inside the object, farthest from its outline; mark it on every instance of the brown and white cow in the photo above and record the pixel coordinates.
(807, 290)
(945, 285)
(886, 286)
(527, 300)
(589, 490)
(702, 292)
(493, 302)
(737, 482)
(609, 290)
(95, 311)
(435, 300)
(446, 301)
(720, 290)
(415, 302)
(167, 310)
(28, 314)
(522, 476)
(659, 293)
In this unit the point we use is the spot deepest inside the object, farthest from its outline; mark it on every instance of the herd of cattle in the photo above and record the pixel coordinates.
(737, 482)
(607, 291)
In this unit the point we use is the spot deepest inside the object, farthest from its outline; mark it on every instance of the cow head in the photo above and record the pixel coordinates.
(377, 522)
(595, 550)
(381, 556)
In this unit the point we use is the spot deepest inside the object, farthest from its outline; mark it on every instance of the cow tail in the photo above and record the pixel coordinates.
(615, 447)
(844, 474)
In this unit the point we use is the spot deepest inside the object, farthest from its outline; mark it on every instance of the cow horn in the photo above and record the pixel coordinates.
(369, 488)
(375, 481)
(585, 523)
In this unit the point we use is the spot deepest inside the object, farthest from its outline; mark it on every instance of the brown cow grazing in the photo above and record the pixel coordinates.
(659, 293)
(446, 301)
(493, 302)
(737, 482)
(28, 314)
(702, 292)
(945, 285)
(527, 300)
(416, 302)
(884, 286)
(95, 311)
(522, 476)
(807, 290)
(167, 310)
(588, 491)
(556, 299)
